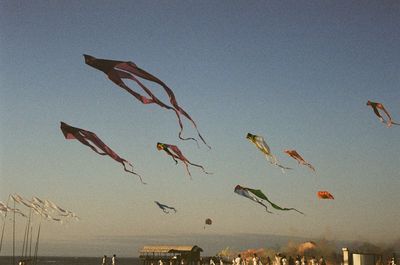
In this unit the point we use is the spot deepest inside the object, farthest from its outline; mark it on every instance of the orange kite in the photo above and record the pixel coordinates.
(325, 195)
(299, 159)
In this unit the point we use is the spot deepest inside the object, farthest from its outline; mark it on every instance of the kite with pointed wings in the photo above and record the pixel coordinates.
(376, 106)
(323, 194)
(165, 208)
(258, 196)
(119, 70)
(260, 143)
(176, 153)
(298, 158)
(91, 140)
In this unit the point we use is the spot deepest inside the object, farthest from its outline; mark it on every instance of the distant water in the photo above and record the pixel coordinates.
(72, 261)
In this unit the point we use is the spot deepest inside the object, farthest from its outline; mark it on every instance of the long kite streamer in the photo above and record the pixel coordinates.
(176, 153)
(164, 207)
(323, 194)
(119, 70)
(376, 106)
(298, 158)
(260, 143)
(90, 139)
(254, 196)
(258, 196)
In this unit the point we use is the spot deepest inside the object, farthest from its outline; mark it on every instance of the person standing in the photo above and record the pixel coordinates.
(212, 261)
(255, 259)
(104, 260)
(238, 260)
(303, 260)
(114, 260)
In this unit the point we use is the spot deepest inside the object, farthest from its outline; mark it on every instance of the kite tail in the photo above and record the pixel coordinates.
(296, 210)
(266, 208)
(202, 139)
(188, 138)
(184, 113)
(200, 166)
(153, 99)
(187, 169)
(283, 168)
(310, 166)
(131, 171)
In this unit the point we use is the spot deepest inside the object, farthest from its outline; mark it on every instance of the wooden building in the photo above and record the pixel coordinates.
(170, 255)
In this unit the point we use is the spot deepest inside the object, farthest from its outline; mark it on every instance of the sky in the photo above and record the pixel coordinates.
(298, 73)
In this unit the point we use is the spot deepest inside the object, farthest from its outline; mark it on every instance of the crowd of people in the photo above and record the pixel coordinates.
(279, 259)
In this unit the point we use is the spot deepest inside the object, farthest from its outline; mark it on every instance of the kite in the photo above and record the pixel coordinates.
(90, 139)
(325, 195)
(260, 143)
(251, 194)
(62, 212)
(376, 106)
(208, 221)
(258, 196)
(4, 209)
(176, 153)
(164, 207)
(298, 158)
(119, 70)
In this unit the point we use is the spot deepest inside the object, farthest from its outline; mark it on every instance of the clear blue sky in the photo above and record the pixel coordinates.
(298, 73)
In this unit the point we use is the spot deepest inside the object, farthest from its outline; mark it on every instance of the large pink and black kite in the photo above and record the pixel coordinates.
(176, 153)
(119, 70)
(90, 139)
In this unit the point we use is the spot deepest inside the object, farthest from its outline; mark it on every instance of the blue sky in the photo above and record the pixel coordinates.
(298, 73)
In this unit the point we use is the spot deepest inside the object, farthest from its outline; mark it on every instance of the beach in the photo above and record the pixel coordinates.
(5, 260)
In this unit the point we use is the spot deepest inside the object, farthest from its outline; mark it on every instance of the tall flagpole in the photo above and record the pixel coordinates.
(13, 251)
(30, 244)
(23, 244)
(37, 243)
(4, 224)
(28, 225)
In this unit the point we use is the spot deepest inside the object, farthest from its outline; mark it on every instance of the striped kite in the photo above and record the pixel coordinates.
(258, 196)
(376, 106)
(164, 207)
(298, 158)
(176, 153)
(323, 194)
(260, 143)
(90, 139)
(119, 70)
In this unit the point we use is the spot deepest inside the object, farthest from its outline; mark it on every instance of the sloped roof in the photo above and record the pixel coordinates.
(169, 249)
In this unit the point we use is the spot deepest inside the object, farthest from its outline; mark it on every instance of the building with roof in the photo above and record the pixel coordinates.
(170, 255)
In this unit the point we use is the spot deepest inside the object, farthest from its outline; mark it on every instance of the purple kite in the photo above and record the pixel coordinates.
(119, 70)
(90, 139)
(176, 153)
